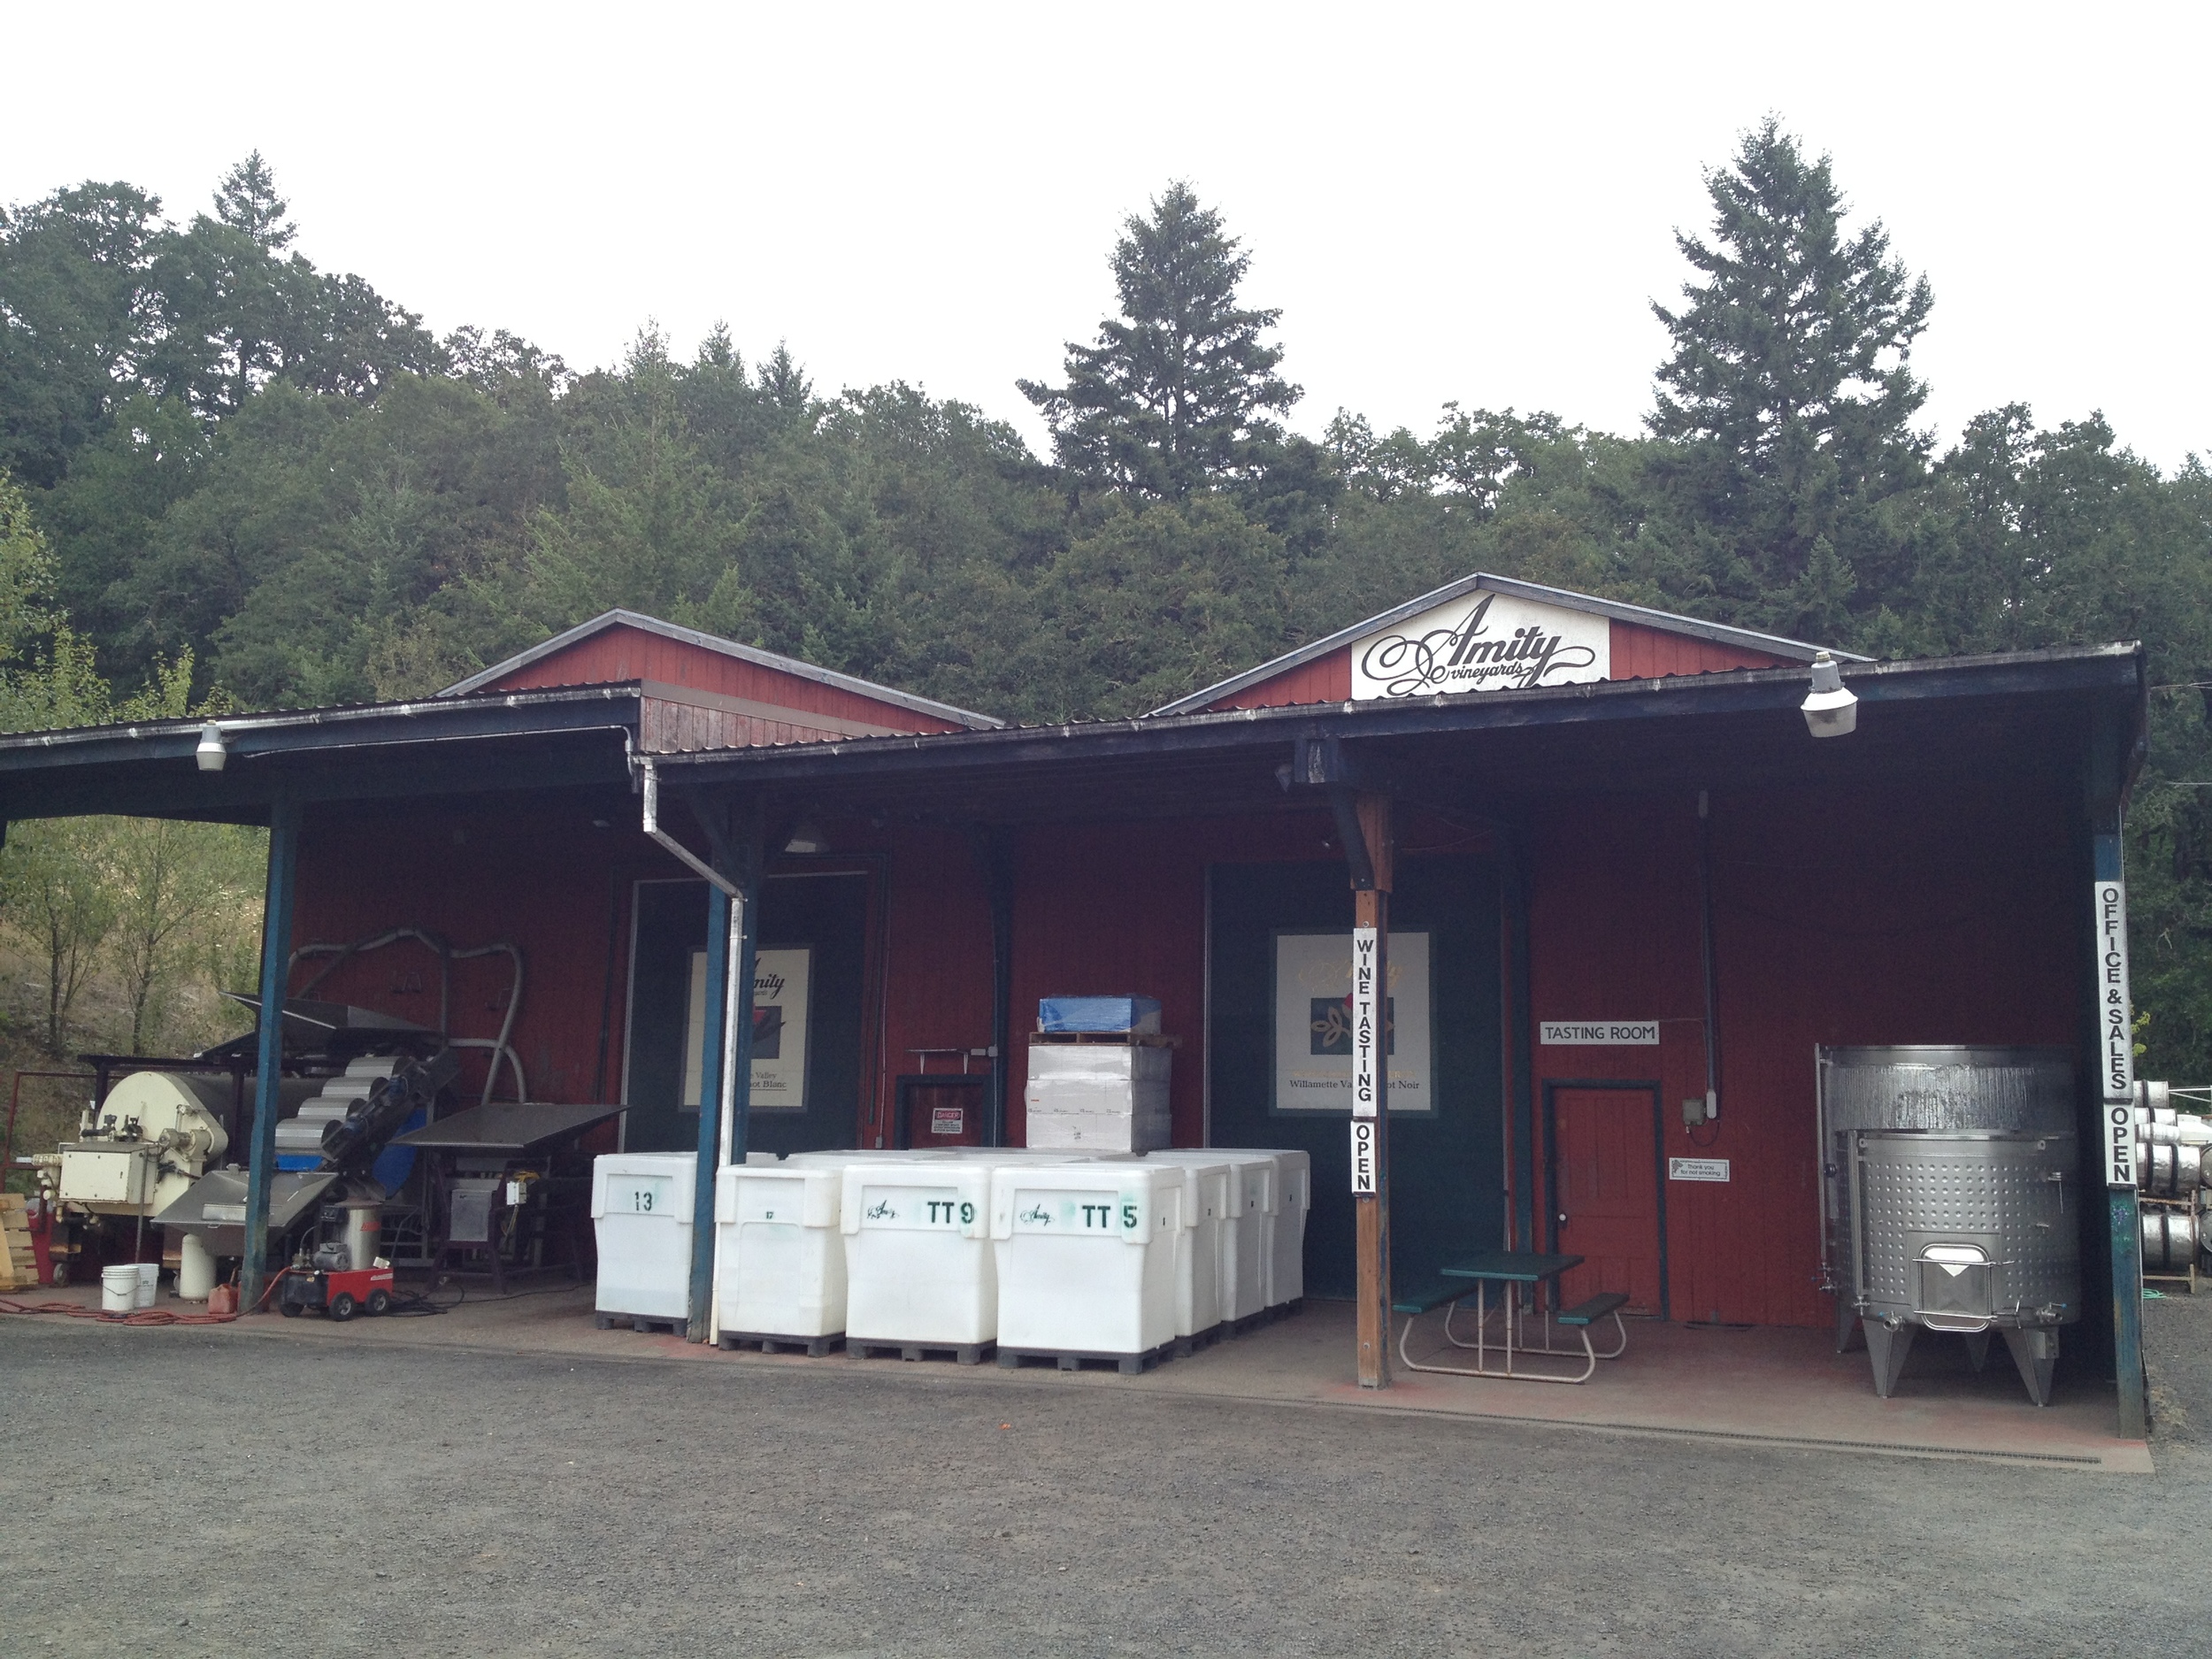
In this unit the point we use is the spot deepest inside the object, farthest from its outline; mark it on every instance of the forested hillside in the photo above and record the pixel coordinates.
(251, 480)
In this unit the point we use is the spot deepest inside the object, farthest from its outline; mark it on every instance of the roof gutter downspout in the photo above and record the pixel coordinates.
(725, 957)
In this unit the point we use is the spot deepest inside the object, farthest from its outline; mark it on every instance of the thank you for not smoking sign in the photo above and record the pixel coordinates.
(2118, 1060)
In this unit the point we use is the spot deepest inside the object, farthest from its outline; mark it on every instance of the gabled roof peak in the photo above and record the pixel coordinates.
(751, 654)
(1774, 645)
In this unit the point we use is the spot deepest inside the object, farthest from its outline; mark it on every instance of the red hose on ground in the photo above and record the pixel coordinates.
(143, 1316)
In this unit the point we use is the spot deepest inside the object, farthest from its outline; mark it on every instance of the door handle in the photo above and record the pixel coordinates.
(1563, 1217)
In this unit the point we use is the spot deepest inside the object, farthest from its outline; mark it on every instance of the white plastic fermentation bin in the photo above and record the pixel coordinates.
(1207, 1189)
(1294, 1203)
(1248, 1240)
(1087, 1259)
(779, 1262)
(919, 1268)
(641, 1209)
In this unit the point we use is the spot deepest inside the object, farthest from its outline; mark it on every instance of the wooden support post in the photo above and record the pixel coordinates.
(1371, 1105)
(276, 961)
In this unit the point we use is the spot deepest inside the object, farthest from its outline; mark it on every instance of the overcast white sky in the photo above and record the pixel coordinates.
(1468, 202)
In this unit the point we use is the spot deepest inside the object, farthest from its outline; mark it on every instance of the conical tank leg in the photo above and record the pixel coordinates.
(2034, 1351)
(1978, 1348)
(1887, 1345)
(1847, 1325)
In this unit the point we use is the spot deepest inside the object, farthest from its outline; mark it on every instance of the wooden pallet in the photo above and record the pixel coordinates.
(1117, 1038)
(1076, 1359)
(675, 1326)
(18, 1262)
(813, 1346)
(959, 1353)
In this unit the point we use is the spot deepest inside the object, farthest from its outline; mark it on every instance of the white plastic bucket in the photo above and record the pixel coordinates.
(118, 1288)
(149, 1283)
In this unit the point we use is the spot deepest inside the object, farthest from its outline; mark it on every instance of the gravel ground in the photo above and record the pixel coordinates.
(427, 1501)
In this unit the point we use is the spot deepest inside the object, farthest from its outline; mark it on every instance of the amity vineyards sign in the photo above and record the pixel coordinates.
(1482, 641)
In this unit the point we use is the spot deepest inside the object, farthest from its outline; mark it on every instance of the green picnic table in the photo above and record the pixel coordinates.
(1473, 1277)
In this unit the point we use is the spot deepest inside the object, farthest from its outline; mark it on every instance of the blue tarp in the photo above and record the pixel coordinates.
(1097, 1013)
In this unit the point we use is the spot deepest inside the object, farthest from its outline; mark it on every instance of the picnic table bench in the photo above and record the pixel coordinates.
(1473, 1277)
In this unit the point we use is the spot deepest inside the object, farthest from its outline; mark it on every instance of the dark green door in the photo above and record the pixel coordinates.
(1447, 1165)
(825, 916)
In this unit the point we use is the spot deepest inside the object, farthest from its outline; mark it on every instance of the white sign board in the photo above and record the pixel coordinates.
(1317, 1022)
(1482, 641)
(2117, 1032)
(1365, 1183)
(1697, 1169)
(781, 980)
(1598, 1033)
(1366, 1032)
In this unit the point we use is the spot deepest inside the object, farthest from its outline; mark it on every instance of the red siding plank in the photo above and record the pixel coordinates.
(1647, 653)
(1324, 679)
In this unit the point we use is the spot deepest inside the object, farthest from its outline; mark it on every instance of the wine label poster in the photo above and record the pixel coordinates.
(1313, 1031)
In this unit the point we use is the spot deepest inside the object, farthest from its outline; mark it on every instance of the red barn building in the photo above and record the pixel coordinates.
(1629, 894)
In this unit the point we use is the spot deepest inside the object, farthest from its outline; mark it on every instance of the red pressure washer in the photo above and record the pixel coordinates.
(331, 1286)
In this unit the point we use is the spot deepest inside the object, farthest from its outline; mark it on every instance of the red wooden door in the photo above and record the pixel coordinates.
(1606, 1193)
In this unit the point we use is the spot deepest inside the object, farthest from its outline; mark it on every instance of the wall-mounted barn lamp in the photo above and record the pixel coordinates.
(211, 754)
(1829, 709)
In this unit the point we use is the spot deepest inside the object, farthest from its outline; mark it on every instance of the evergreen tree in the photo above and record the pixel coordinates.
(1789, 393)
(1180, 391)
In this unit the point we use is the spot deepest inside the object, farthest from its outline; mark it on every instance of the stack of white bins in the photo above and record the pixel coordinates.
(641, 1211)
(1087, 1261)
(1294, 1203)
(1102, 1097)
(1248, 1237)
(779, 1259)
(919, 1274)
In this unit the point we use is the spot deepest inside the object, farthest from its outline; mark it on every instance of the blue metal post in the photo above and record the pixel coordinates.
(276, 951)
(709, 1110)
